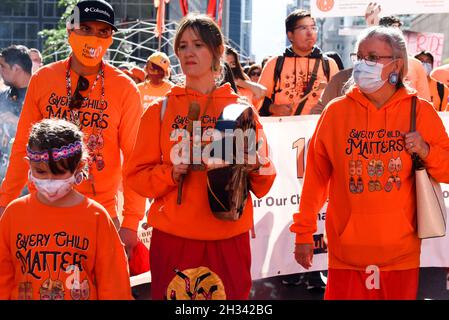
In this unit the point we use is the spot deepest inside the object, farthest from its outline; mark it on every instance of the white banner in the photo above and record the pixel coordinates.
(272, 249)
(345, 8)
(419, 41)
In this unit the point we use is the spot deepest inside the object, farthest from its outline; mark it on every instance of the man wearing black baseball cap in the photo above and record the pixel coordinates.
(101, 100)
(94, 11)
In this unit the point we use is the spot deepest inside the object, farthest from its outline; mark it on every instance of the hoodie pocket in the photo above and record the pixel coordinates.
(375, 238)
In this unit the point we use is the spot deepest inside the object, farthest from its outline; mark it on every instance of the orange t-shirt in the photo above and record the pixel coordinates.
(50, 253)
(149, 92)
(150, 170)
(357, 158)
(108, 132)
(417, 78)
(292, 86)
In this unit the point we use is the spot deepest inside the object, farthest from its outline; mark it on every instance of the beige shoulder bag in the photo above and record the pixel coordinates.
(431, 211)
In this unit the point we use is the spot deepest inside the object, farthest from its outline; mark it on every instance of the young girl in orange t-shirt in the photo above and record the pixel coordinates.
(57, 244)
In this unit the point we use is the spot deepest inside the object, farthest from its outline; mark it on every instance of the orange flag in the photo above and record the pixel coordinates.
(160, 18)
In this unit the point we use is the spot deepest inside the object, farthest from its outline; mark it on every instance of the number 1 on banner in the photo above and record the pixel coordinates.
(300, 144)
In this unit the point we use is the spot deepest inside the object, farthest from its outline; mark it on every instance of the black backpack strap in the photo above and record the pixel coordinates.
(326, 67)
(309, 87)
(277, 75)
(440, 89)
(264, 110)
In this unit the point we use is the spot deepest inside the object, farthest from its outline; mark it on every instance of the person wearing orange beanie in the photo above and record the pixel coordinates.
(156, 83)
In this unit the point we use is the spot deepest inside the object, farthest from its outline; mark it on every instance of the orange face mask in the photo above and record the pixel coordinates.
(89, 50)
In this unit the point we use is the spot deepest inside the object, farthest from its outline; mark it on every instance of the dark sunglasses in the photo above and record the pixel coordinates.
(257, 74)
(77, 99)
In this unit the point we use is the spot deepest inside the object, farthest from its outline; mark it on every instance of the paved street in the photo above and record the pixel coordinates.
(432, 285)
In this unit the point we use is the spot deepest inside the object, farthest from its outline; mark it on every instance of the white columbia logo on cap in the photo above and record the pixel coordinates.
(92, 9)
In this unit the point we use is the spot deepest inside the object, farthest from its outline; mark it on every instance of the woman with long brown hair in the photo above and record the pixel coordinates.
(194, 255)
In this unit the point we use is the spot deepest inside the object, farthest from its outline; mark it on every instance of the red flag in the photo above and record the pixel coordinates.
(184, 7)
(160, 19)
(212, 9)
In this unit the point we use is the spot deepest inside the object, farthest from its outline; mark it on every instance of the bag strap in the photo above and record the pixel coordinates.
(276, 76)
(309, 87)
(163, 107)
(440, 89)
(326, 67)
(417, 162)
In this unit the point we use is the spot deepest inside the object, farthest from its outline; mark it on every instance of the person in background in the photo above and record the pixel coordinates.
(62, 268)
(36, 58)
(254, 72)
(334, 55)
(245, 87)
(15, 68)
(301, 75)
(156, 82)
(102, 101)
(188, 243)
(228, 77)
(441, 74)
(335, 88)
(416, 76)
(232, 59)
(246, 69)
(438, 91)
(371, 213)
(264, 61)
(136, 74)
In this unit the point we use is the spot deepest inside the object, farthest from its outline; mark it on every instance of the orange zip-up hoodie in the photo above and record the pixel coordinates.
(47, 98)
(358, 154)
(51, 253)
(150, 170)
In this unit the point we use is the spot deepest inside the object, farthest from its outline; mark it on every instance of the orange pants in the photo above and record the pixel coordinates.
(345, 284)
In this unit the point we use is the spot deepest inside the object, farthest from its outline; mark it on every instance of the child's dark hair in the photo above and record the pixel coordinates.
(50, 134)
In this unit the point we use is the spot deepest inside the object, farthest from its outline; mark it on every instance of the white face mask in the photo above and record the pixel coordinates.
(428, 67)
(368, 78)
(52, 189)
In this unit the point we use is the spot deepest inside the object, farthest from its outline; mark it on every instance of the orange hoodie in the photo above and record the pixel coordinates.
(358, 152)
(50, 253)
(292, 85)
(150, 170)
(47, 98)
